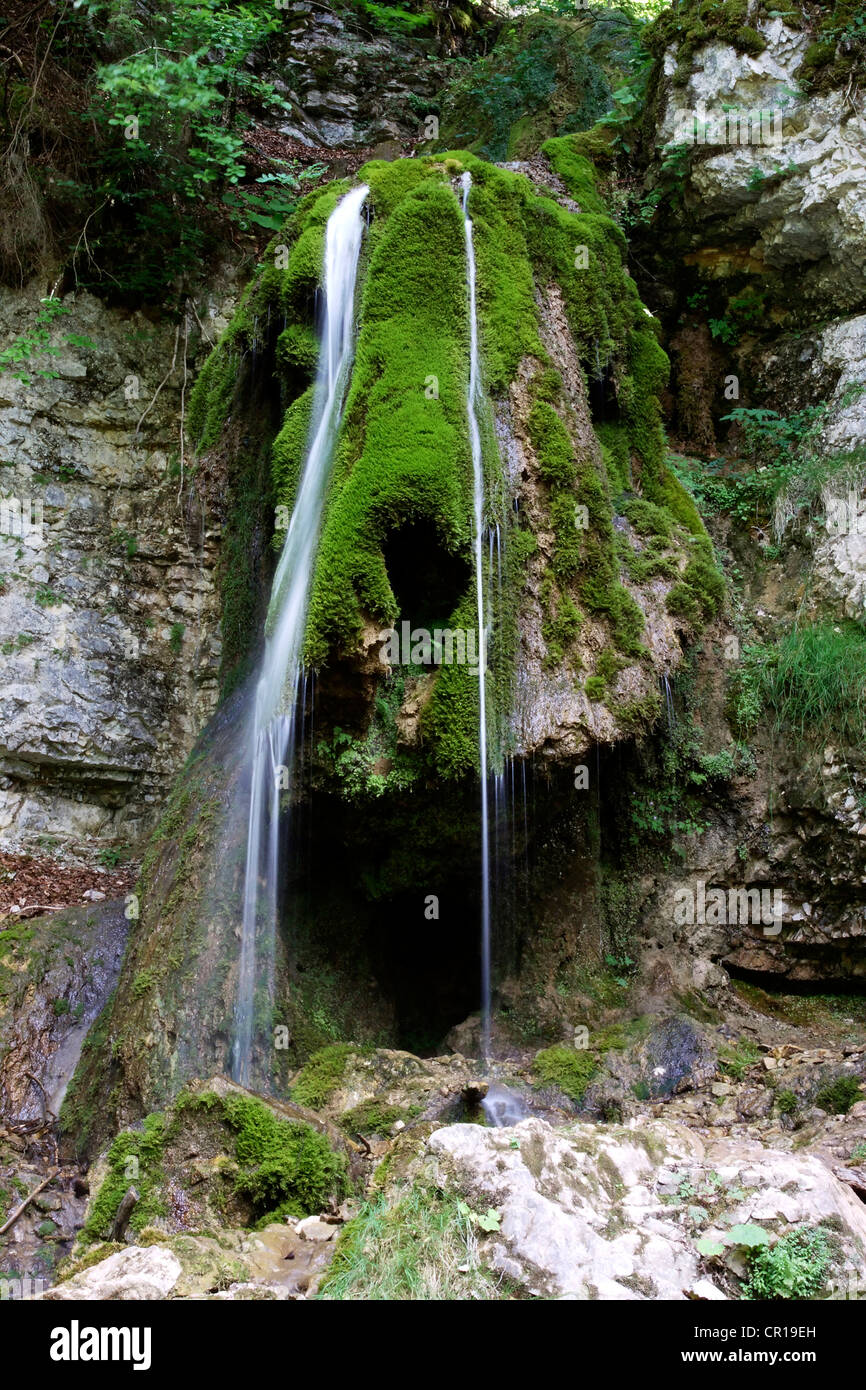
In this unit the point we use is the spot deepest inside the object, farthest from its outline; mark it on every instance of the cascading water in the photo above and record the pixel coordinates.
(273, 732)
(473, 400)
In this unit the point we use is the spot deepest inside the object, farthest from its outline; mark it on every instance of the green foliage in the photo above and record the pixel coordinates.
(724, 330)
(665, 811)
(735, 1060)
(45, 597)
(287, 1169)
(837, 56)
(566, 1067)
(787, 1102)
(810, 683)
(322, 1075)
(837, 1096)
(394, 19)
(421, 1246)
(36, 342)
(125, 542)
(356, 763)
(167, 156)
(542, 78)
(375, 1117)
(146, 1147)
(794, 1267)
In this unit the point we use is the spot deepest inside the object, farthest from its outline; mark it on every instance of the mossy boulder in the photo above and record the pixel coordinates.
(401, 481)
(219, 1157)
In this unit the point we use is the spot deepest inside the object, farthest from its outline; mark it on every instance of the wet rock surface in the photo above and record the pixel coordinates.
(56, 975)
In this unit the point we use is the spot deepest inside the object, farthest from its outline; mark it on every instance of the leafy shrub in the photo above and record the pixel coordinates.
(795, 1267)
(811, 682)
(837, 1097)
(736, 1060)
(787, 1102)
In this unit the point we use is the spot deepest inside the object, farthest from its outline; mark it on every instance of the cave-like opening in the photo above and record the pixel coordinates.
(427, 579)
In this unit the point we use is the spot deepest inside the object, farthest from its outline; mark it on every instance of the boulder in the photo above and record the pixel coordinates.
(615, 1213)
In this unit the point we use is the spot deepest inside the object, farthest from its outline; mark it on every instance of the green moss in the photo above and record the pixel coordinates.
(449, 721)
(322, 1075)
(647, 518)
(561, 624)
(375, 1117)
(289, 450)
(298, 349)
(211, 397)
(134, 1160)
(554, 449)
(699, 594)
(287, 1169)
(567, 1068)
(506, 294)
(577, 173)
(403, 454)
(695, 23)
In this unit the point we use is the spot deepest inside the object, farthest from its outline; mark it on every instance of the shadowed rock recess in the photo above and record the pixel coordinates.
(541, 982)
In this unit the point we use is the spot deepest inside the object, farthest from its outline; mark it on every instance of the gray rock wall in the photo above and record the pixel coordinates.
(109, 620)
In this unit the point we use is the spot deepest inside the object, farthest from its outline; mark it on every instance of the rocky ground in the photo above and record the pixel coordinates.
(667, 1158)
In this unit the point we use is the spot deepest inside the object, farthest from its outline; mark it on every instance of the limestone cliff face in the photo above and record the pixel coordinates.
(793, 206)
(349, 86)
(779, 228)
(109, 614)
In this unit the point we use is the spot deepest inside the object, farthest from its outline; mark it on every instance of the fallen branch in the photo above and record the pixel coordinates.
(27, 1200)
(29, 908)
(124, 1212)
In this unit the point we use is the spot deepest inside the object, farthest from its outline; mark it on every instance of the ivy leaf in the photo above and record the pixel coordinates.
(707, 1246)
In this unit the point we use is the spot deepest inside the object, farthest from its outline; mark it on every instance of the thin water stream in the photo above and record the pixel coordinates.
(273, 731)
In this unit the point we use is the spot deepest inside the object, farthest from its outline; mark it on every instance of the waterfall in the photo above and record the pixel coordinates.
(273, 731)
(472, 403)
(669, 703)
